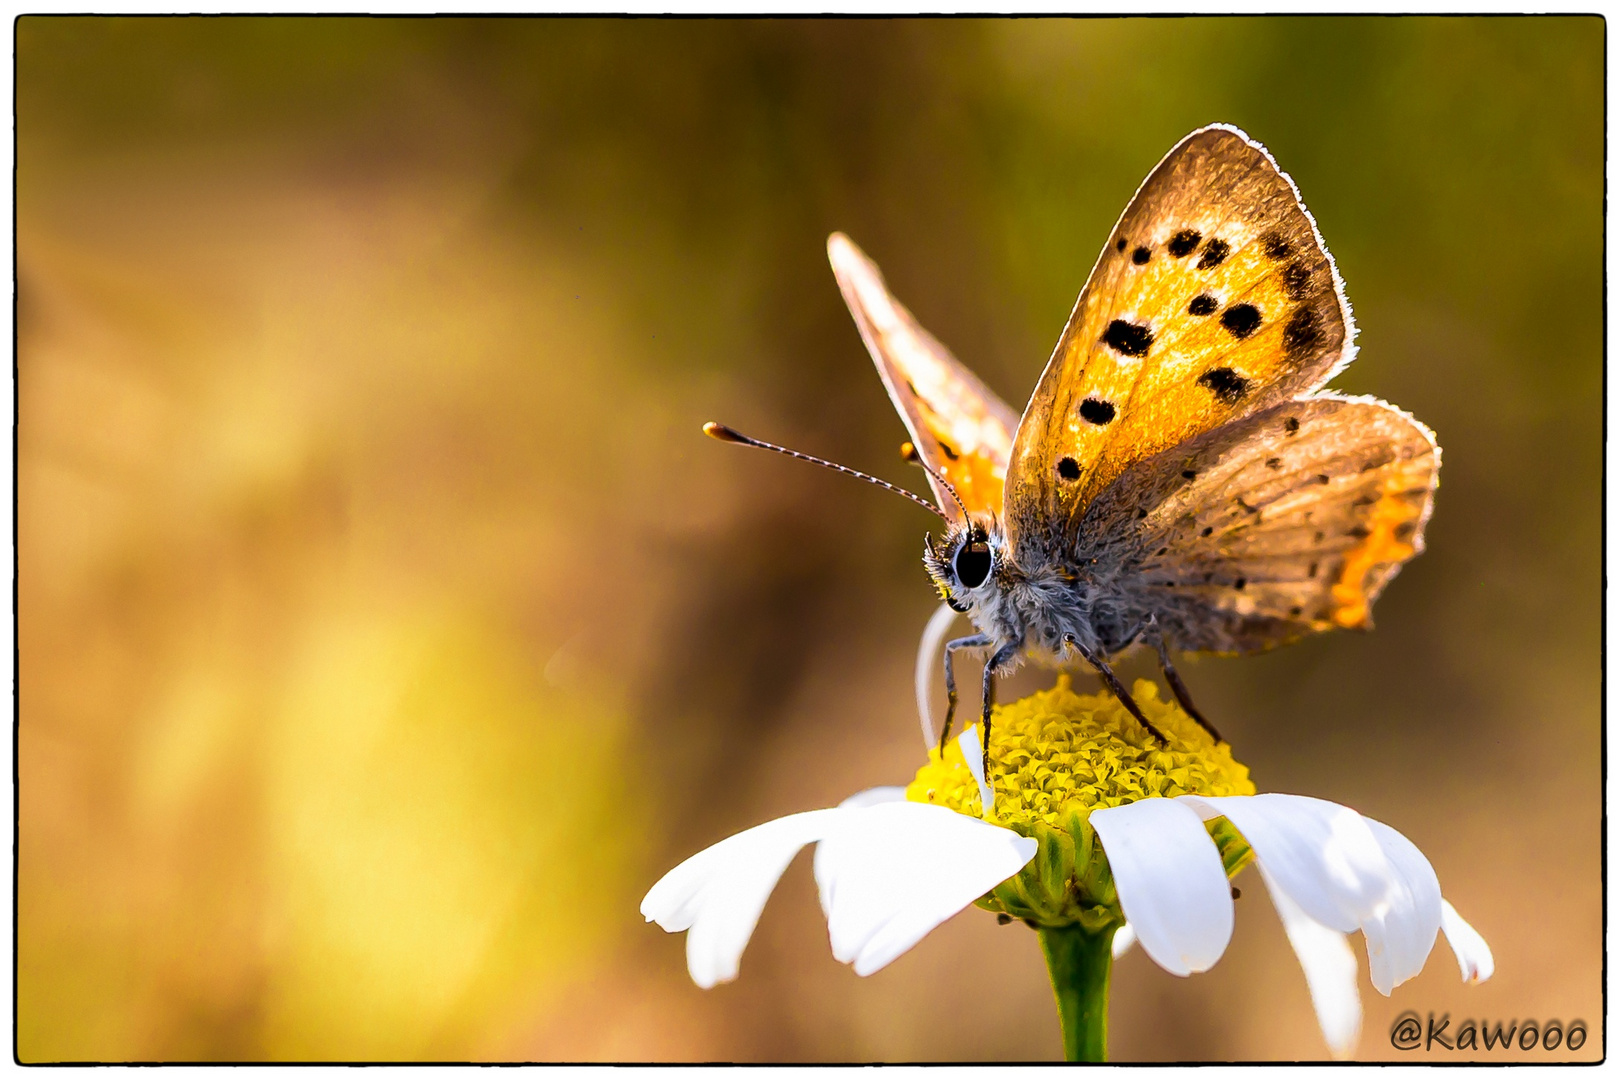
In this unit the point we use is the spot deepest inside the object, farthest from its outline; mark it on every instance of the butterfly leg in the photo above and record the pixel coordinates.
(1177, 687)
(1116, 687)
(973, 641)
(1002, 656)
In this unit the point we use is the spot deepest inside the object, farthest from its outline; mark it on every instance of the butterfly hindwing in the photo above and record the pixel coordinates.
(1286, 522)
(1214, 298)
(960, 428)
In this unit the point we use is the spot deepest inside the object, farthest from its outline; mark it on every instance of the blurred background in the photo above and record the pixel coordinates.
(387, 627)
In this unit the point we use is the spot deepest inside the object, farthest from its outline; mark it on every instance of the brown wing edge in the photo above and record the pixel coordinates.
(1347, 351)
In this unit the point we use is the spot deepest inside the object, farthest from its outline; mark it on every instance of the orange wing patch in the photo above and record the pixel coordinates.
(959, 427)
(1229, 337)
(1394, 533)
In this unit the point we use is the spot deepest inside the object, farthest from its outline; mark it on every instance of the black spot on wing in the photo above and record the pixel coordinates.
(1302, 333)
(1275, 246)
(1141, 255)
(1189, 474)
(1096, 411)
(1241, 320)
(1296, 280)
(1182, 244)
(1225, 384)
(948, 450)
(1119, 245)
(1128, 339)
(1202, 304)
(1291, 425)
(1215, 253)
(1273, 462)
(1069, 469)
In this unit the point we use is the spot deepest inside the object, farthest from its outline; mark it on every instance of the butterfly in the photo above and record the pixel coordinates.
(1179, 479)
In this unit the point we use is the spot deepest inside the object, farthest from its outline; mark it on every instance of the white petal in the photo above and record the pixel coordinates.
(973, 754)
(890, 873)
(717, 895)
(1172, 886)
(1330, 972)
(930, 657)
(1321, 854)
(827, 850)
(1401, 935)
(1473, 955)
(1124, 938)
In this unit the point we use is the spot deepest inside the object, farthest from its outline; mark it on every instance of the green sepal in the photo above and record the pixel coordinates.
(1069, 883)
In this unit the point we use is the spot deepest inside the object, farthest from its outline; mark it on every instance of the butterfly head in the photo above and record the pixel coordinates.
(964, 564)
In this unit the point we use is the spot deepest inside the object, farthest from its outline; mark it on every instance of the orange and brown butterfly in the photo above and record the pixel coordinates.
(1179, 479)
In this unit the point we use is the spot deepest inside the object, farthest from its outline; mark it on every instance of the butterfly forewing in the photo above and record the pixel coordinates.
(960, 428)
(1286, 522)
(1214, 298)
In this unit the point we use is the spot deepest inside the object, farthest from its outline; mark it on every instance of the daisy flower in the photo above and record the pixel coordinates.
(1098, 838)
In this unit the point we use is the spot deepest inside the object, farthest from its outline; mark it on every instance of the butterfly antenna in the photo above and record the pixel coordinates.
(725, 434)
(908, 452)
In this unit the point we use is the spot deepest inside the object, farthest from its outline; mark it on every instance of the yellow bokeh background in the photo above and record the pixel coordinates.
(387, 628)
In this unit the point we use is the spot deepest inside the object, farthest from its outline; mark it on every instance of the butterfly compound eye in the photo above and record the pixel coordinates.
(973, 562)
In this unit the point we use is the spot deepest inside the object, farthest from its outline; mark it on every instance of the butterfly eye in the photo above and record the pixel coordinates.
(973, 563)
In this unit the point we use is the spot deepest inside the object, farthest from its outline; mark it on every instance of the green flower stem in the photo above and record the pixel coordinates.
(1079, 961)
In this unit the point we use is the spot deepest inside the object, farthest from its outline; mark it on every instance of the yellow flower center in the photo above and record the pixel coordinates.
(1055, 748)
(1055, 757)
